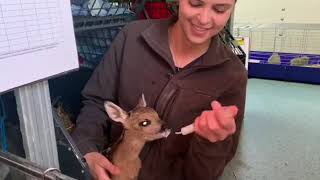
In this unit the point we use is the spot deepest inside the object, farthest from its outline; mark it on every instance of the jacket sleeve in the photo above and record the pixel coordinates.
(206, 160)
(91, 125)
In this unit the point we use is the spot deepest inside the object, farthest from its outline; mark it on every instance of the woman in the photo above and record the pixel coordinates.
(188, 75)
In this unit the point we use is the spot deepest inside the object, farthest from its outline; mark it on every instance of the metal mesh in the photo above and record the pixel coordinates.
(95, 14)
(93, 44)
(96, 23)
(100, 7)
(283, 44)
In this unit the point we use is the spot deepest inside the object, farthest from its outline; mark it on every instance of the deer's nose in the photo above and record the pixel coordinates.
(163, 125)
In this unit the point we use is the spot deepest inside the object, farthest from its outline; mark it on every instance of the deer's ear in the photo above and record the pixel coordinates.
(142, 101)
(115, 112)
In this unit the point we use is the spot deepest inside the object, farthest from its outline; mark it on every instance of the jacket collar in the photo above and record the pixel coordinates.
(156, 37)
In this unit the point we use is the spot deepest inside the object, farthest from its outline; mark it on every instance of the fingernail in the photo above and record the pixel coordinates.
(232, 110)
(215, 105)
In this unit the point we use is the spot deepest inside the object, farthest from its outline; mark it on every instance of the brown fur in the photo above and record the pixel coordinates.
(126, 154)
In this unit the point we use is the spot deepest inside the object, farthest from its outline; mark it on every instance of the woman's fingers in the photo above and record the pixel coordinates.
(218, 123)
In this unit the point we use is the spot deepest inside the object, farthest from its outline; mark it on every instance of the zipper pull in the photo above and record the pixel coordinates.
(170, 75)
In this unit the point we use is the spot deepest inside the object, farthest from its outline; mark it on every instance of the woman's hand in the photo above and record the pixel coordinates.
(100, 166)
(216, 124)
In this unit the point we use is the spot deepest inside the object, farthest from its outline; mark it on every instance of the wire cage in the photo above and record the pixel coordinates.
(282, 44)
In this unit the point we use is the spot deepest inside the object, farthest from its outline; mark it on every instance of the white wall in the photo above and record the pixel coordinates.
(270, 11)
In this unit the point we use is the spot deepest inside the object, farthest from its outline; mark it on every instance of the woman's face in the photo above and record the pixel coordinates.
(200, 20)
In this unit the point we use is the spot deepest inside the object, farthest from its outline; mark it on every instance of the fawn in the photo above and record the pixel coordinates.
(141, 124)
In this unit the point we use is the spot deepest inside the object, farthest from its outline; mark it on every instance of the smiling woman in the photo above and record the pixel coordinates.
(198, 21)
(188, 76)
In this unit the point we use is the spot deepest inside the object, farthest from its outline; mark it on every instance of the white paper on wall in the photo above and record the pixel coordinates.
(36, 41)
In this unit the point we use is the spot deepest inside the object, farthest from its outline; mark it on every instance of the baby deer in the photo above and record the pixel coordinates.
(141, 124)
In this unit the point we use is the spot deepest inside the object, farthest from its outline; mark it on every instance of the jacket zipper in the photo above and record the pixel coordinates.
(163, 105)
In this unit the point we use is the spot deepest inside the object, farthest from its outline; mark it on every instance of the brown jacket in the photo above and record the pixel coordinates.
(139, 61)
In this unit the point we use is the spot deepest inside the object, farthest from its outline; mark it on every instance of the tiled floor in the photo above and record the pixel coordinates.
(281, 134)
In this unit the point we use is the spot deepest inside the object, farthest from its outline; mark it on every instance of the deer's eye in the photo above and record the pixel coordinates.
(145, 123)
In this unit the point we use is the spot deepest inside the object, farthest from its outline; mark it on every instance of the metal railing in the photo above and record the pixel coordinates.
(30, 169)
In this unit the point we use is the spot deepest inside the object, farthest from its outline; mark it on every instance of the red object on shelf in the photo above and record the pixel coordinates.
(156, 10)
